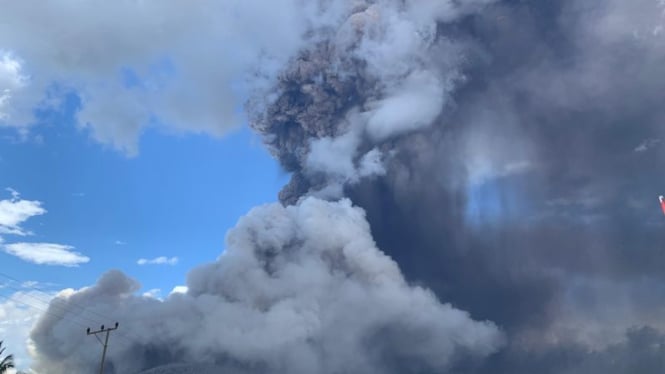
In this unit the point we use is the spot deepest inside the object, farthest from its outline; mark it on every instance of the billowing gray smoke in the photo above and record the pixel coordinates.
(508, 155)
(528, 196)
(383, 73)
(301, 289)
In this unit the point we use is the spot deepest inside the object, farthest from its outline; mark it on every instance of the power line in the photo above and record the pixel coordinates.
(60, 307)
(26, 285)
(49, 304)
(22, 302)
(64, 316)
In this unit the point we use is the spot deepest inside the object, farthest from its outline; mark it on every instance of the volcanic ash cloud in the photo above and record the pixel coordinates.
(299, 289)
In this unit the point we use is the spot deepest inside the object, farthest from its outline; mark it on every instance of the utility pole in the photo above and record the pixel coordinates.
(105, 343)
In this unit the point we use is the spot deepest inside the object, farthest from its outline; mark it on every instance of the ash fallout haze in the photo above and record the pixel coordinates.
(441, 186)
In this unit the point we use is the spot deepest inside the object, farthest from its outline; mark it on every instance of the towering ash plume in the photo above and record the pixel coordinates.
(386, 71)
(506, 155)
(513, 155)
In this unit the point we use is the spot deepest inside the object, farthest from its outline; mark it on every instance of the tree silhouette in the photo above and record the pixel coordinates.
(7, 362)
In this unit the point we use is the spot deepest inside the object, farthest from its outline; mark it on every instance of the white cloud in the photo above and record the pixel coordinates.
(182, 64)
(161, 260)
(120, 242)
(179, 290)
(46, 253)
(29, 284)
(18, 313)
(15, 211)
(11, 80)
(15, 194)
(646, 145)
(154, 293)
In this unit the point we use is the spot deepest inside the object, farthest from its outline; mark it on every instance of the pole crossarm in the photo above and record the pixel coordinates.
(105, 343)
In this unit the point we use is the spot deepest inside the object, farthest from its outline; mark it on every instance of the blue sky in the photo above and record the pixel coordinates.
(176, 198)
(79, 91)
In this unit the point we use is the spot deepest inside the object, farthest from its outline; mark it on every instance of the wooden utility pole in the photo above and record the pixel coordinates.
(105, 343)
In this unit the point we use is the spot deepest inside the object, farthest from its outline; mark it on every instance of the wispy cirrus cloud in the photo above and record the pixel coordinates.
(46, 254)
(161, 260)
